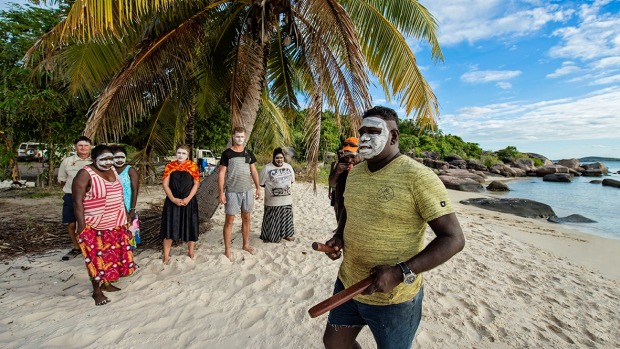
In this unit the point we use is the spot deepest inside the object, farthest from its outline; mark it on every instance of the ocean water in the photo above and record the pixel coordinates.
(595, 201)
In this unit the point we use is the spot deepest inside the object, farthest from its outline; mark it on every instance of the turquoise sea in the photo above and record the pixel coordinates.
(597, 202)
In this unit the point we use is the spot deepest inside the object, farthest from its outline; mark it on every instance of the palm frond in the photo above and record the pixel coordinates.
(271, 129)
(392, 61)
(160, 67)
(333, 38)
(280, 75)
(409, 16)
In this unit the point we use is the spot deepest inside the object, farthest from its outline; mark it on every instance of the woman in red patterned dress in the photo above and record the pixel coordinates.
(101, 223)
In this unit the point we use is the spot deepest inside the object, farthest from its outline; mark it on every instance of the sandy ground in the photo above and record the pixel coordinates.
(519, 283)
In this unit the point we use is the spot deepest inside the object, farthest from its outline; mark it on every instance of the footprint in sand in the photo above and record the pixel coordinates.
(304, 294)
(486, 315)
(245, 281)
(251, 317)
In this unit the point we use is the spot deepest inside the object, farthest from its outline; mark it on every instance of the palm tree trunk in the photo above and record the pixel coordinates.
(13, 168)
(190, 130)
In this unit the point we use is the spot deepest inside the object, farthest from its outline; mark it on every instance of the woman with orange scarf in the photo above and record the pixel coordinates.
(179, 219)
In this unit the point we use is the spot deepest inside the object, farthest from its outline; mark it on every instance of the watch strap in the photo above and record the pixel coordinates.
(404, 268)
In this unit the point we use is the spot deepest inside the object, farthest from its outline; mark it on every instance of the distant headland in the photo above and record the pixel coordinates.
(597, 158)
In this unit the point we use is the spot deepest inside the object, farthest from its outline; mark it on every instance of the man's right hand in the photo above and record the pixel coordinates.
(222, 198)
(342, 166)
(336, 242)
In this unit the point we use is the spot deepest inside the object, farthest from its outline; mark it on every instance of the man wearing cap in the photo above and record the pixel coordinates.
(338, 177)
(390, 201)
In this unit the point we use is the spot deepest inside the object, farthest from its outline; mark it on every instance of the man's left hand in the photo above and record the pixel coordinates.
(257, 195)
(386, 278)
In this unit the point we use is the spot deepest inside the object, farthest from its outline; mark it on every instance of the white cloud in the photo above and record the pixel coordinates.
(475, 20)
(606, 63)
(566, 69)
(596, 36)
(378, 101)
(606, 80)
(480, 76)
(592, 116)
(504, 85)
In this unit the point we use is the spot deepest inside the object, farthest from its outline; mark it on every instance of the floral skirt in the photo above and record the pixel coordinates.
(107, 253)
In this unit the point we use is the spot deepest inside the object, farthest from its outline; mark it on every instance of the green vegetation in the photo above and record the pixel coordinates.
(177, 65)
(186, 72)
(32, 107)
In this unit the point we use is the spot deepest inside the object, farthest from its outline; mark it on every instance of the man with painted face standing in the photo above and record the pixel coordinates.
(69, 167)
(237, 172)
(390, 199)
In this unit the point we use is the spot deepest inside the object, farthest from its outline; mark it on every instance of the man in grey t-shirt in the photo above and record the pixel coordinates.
(237, 172)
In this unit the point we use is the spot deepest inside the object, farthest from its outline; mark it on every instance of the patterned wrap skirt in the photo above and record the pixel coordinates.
(107, 253)
(277, 223)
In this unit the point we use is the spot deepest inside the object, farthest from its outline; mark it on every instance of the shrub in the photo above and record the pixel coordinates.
(489, 160)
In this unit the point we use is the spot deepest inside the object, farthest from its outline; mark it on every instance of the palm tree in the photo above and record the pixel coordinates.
(139, 58)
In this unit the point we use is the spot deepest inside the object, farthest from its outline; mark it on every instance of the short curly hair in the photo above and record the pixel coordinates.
(384, 113)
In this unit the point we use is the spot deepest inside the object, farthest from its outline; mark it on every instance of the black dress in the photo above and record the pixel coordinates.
(180, 222)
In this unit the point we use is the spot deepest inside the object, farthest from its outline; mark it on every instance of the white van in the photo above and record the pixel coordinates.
(30, 151)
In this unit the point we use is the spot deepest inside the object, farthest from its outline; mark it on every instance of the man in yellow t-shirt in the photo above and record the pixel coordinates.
(389, 200)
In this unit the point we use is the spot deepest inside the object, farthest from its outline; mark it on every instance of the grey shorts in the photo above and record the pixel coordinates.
(239, 202)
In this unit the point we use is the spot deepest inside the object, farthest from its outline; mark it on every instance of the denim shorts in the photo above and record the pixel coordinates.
(393, 326)
(68, 215)
(239, 202)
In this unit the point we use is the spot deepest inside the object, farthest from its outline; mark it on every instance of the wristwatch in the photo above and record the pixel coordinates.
(408, 275)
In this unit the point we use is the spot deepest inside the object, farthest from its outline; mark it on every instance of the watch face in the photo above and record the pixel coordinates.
(409, 279)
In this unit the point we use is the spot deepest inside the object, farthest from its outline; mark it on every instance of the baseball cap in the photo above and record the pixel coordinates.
(350, 145)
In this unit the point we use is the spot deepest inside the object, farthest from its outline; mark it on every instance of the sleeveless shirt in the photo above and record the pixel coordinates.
(104, 208)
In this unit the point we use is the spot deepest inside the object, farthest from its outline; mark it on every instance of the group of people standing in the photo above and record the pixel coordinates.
(100, 196)
(238, 186)
(383, 203)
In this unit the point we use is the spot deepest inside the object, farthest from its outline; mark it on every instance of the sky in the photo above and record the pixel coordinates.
(543, 76)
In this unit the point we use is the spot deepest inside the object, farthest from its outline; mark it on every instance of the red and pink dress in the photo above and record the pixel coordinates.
(105, 241)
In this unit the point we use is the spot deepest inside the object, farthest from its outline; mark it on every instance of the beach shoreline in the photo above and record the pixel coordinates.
(518, 283)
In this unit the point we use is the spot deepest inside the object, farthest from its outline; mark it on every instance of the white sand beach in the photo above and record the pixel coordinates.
(519, 283)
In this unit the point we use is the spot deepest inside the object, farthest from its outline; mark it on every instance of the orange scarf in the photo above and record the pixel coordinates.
(187, 166)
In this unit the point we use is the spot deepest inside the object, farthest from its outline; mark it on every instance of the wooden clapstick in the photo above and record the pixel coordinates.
(340, 297)
(317, 246)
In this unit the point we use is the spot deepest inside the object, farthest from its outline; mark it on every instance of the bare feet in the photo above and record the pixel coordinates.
(166, 260)
(191, 254)
(289, 238)
(100, 298)
(109, 288)
(227, 254)
(248, 249)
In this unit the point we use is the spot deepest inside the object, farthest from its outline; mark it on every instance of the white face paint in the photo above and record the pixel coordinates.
(105, 161)
(239, 138)
(374, 138)
(119, 159)
(182, 155)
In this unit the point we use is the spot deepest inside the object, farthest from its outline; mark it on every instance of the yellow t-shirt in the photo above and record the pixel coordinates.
(387, 214)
